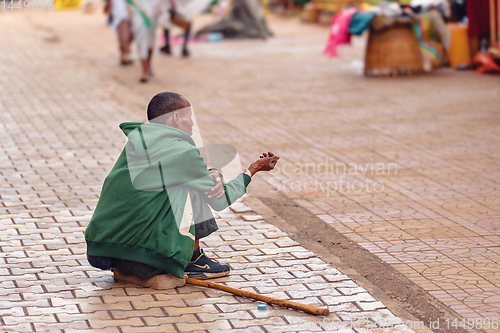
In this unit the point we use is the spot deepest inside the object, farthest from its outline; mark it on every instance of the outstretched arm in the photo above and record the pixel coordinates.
(221, 196)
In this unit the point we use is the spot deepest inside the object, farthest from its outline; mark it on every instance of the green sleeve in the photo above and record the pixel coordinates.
(193, 170)
(234, 190)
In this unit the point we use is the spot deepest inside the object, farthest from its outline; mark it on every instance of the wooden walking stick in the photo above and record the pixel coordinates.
(270, 300)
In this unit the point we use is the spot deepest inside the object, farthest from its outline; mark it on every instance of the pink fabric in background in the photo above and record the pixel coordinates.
(339, 32)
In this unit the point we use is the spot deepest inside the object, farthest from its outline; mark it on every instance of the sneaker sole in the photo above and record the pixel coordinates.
(206, 276)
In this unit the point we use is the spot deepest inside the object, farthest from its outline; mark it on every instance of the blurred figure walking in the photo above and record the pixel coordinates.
(144, 19)
(120, 21)
(180, 13)
(241, 19)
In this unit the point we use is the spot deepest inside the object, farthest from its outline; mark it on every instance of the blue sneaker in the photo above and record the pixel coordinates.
(206, 268)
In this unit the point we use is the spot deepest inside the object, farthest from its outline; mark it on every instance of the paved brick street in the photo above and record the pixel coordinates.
(407, 168)
(59, 139)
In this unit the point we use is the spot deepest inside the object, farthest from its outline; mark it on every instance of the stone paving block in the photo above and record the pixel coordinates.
(251, 329)
(271, 321)
(300, 294)
(42, 318)
(370, 306)
(351, 290)
(240, 207)
(33, 311)
(220, 300)
(144, 305)
(21, 327)
(252, 217)
(276, 274)
(264, 284)
(119, 313)
(97, 315)
(291, 249)
(119, 296)
(104, 329)
(248, 255)
(90, 307)
(76, 325)
(205, 308)
(309, 280)
(215, 325)
(333, 300)
(161, 320)
(153, 329)
(100, 324)
(239, 315)
(16, 312)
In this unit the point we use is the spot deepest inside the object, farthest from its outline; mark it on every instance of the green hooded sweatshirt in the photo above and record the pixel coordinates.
(153, 196)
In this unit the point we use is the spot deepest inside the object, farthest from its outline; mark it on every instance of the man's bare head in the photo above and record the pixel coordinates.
(164, 103)
(171, 109)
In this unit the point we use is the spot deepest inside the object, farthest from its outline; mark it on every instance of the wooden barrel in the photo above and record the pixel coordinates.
(393, 51)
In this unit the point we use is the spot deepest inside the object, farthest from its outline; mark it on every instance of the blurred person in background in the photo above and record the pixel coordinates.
(180, 13)
(144, 19)
(120, 21)
(240, 19)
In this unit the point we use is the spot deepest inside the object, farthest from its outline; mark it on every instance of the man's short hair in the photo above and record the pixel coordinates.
(164, 103)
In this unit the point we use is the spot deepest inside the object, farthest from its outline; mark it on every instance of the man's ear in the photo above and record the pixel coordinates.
(175, 118)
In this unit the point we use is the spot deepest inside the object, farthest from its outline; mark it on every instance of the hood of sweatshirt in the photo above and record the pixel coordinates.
(156, 153)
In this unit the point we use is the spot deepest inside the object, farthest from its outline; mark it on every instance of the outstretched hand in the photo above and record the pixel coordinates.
(266, 162)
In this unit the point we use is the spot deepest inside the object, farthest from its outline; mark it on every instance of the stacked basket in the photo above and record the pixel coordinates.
(393, 50)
